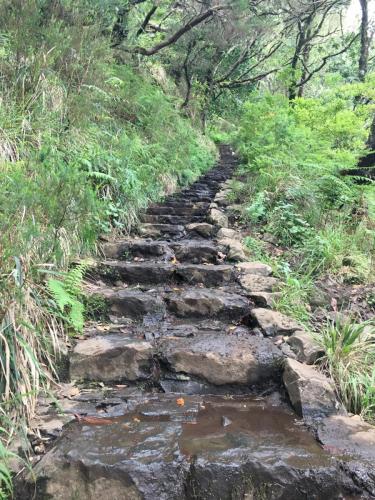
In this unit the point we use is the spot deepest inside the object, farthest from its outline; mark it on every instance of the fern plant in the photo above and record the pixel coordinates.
(67, 293)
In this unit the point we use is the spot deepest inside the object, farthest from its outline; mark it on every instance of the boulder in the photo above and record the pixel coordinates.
(231, 234)
(303, 345)
(258, 283)
(311, 393)
(274, 323)
(202, 229)
(254, 268)
(218, 218)
(222, 359)
(111, 357)
(234, 249)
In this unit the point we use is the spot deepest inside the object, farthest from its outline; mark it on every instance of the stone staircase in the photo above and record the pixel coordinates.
(179, 375)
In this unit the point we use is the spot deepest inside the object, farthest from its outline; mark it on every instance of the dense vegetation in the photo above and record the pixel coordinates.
(107, 105)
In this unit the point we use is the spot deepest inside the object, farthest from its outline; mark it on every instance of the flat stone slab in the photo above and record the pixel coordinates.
(110, 358)
(134, 248)
(208, 275)
(224, 359)
(311, 393)
(207, 303)
(212, 446)
(160, 230)
(133, 304)
(348, 435)
(195, 251)
(274, 323)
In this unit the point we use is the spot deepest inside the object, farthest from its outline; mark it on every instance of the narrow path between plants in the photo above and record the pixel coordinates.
(184, 387)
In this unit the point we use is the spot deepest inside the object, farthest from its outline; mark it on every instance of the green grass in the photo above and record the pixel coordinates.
(350, 361)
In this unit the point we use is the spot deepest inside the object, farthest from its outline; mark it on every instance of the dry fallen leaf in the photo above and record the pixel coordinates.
(136, 420)
(180, 401)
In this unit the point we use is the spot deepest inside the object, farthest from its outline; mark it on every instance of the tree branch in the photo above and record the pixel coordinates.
(146, 20)
(178, 34)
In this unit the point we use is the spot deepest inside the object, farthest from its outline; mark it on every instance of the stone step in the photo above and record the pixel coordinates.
(195, 251)
(206, 303)
(192, 303)
(155, 273)
(161, 231)
(172, 219)
(182, 210)
(214, 358)
(162, 446)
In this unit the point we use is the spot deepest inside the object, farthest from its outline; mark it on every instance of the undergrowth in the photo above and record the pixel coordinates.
(321, 223)
(86, 142)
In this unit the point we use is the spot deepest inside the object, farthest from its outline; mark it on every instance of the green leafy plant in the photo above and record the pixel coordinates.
(67, 295)
(349, 359)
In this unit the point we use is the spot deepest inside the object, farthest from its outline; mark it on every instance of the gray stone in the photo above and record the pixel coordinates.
(208, 275)
(224, 359)
(133, 304)
(311, 393)
(264, 299)
(306, 349)
(258, 283)
(158, 230)
(234, 249)
(274, 323)
(226, 233)
(207, 303)
(202, 228)
(263, 453)
(218, 218)
(111, 357)
(254, 268)
(348, 435)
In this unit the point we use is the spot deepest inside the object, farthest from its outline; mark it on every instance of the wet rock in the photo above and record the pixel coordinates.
(207, 303)
(311, 393)
(140, 272)
(112, 357)
(225, 233)
(195, 251)
(208, 275)
(263, 453)
(349, 435)
(254, 268)
(274, 323)
(134, 304)
(159, 230)
(222, 359)
(306, 349)
(134, 248)
(202, 229)
(218, 218)
(258, 283)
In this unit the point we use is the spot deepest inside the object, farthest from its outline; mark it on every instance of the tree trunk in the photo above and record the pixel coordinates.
(365, 41)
